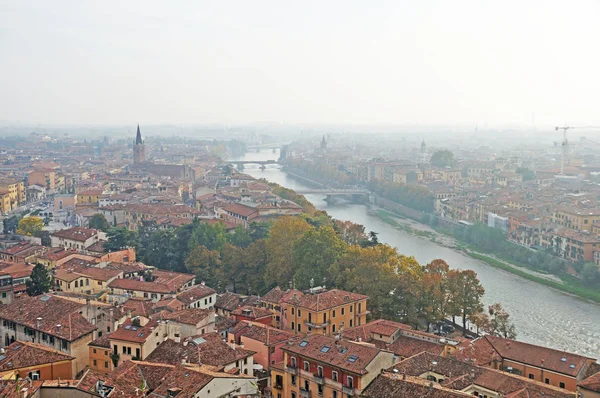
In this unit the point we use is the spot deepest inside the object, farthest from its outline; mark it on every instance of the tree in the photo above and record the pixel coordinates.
(121, 238)
(232, 265)
(590, 274)
(527, 174)
(30, 226)
(98, 221)
(240, 237)
(45, 238)
(40, 281)
(255, 263)
(432, 298)
(499, 323)
(351, 233)
(443, 158)
(204, 263)
(10, 224)
(212, 236)
(259, 230)
(480, 319)
(313, 255)
(159, 252)
(283, 236)
(467, 294)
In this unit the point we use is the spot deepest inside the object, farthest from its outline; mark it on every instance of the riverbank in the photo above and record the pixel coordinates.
(565, 283)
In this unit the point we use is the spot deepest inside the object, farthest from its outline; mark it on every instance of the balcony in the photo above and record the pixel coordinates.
(316, 325)
(348, 390)
(318, 378)
(291, 370)
(278, 386)
(305, 393)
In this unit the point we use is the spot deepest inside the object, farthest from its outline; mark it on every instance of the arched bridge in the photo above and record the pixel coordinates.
(260, 162)
(333, 191)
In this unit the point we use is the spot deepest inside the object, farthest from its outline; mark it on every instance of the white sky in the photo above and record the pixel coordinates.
(369, 62)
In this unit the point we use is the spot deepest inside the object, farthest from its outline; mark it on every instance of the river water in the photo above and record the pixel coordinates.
(541, 315)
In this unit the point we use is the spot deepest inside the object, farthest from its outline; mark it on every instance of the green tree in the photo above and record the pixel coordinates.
(10, 224)
(120, 238)
(212, 236)
(159, 250)
(40, 281)
(98, 221)
(283, 236)
(590, 274)
(259, 230)
(240, 237)
(527, 174)
(204, 263)
(349, 232)
(255, 262)
(443, 158)
(232, 266)
(314, 253)
(45, 238)
(30, 226)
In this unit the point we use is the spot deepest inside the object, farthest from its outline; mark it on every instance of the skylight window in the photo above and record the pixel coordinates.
(352, 358)
(325, 348)
(127, 327)
(140, 334)
(303, 343)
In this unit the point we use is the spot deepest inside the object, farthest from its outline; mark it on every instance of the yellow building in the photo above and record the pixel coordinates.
(324, 313)
(136, 339)
(91, 196)
(86, 280)
(16, 190)
(5, 203)
(576, 218)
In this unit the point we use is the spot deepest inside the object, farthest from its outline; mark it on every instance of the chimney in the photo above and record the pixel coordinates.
(233, 346)
(38, 323)
(58, 328)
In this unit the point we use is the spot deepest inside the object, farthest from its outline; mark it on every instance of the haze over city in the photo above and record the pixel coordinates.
(339, 62)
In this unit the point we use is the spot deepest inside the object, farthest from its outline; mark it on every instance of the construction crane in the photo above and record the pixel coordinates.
(565, 143)
(565, 147)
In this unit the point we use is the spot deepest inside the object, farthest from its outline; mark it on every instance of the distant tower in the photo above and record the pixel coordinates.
(139, 149)
(323, 143)
(423, 152)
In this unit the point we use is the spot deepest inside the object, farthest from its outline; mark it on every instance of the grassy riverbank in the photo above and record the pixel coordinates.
(568, 284)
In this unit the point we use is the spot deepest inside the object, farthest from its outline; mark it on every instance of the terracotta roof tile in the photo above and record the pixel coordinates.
(77, 233)
(194, 294)
(265, 334)
(21, 354)
(326, 300)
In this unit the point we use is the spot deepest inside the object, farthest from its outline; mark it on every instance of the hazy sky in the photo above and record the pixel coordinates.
(369, 62)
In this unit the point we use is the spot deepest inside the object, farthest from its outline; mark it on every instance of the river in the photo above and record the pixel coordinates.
(541, 315)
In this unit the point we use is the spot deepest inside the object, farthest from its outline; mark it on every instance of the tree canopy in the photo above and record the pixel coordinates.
(98, 221)
(40, 281)
(443, 158)
(30, 226)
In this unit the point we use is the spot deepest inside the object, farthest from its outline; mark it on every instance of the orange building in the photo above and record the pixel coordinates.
(556, 368)
(267, 342)
(38, 362)
(325, 312)
(100, 354)
(42, 177)
(327, 367)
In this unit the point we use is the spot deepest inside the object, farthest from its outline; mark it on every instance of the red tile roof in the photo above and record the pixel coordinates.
(206, 349)
(77, 233)
(22, 354)
(194, 294)
(190, 316)
(45, 312)
(592, 383)
(252, 312)
(265, 334)
(399, 386)
(128, 331)
(140, 286)
(353, 357)
(326, 300)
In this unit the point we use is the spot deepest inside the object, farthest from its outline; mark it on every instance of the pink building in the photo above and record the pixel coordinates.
(265, 340)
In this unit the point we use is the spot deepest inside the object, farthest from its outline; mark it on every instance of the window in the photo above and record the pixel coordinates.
(325, 348)
(350, 322)
(334, 376)
(35, 375)
(65, 344)
(3, 294)
(293, 380)
(87, 282)
(333, 314)
(333, 328)
(293, 362)
(299, 327)
(320, 389)
(124, 350)
(351, 308)
(547, 381)
(292, 310)
(293, 394)
(137, 353)
(128, 350)
(342, 310)
(106, 364)
(320, 371)
(95, 363)
(561, 384)
(94, 350)
(293, 324)
(334, 395)
(299, 313)
(531, 376)
(350, 382)
(306, 366)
